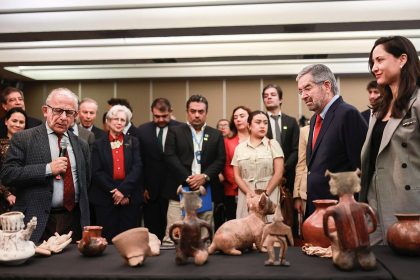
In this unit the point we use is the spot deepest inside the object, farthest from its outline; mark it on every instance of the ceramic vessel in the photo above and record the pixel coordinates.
(133, 245)
(404, 236)
(313, 229)
(15, 247)
(92, 243)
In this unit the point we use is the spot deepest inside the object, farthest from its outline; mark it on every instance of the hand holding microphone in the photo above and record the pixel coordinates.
(59, 165)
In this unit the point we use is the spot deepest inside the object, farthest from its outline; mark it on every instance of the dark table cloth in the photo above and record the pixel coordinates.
(401, 267)
(72, 265)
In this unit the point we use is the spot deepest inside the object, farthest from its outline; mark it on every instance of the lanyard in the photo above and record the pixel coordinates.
(197, 140)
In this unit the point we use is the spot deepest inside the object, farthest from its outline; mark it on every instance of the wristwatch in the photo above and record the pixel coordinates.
(206, 177)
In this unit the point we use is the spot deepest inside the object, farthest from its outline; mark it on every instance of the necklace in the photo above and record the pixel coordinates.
(116, 144)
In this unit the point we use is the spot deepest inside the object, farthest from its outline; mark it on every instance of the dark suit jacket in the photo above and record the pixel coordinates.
(103, 170)
(86, 135)
(366, 115)
(154, 167)
(179, 155)
(337, 149)
(31, 122)
(98, 132)
(289, 144)
(24, 169)
(132, 131)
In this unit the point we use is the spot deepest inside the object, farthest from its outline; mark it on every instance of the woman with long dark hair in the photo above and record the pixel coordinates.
(391, 152)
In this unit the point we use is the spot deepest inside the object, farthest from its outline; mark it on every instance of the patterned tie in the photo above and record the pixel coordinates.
(69, 193)
(160, 139)
(317, 128)
(277, 128)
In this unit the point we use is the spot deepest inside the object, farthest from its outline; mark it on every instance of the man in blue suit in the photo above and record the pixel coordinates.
(152, 136)
(337, 131)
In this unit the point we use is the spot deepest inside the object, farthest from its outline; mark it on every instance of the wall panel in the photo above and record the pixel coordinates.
(137, 93)
(100, 91)
(175, 92)
(242, 92)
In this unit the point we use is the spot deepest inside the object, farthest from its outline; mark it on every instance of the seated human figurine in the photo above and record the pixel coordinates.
(188, 239)
(277, 232)
(241, 234)
(54, 244)
(350, 242)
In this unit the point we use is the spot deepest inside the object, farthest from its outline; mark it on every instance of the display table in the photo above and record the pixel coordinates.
(401, 267)
(72, 265)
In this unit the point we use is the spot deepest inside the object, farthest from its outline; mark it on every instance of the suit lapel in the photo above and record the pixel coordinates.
(127, 153)
(188, 137)
(76, 151)
(392, 125)
(284, 127)
(44, 143)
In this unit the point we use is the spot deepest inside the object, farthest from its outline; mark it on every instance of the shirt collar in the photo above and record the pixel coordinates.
(271, 114)
(264, 142)
(119, 138)
(127, 128)
(327, 107)
(193, 129)
(50, 131)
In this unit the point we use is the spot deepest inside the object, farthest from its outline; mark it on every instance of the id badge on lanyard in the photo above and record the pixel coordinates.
(198, 157)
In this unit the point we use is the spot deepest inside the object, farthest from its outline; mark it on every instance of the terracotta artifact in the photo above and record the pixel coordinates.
(350, 242)
(313, 228)
(15, 246)
(92, 243)
(133, 245)
(277, 232)
(154, 244)
(189, 242)
(54, 244)
(240, 234)
(404, 236)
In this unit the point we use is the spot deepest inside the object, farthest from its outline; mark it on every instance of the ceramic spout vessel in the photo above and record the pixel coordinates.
(313, 229)
(92, 243)
(15, 246)
(404, 236)
(133, 245)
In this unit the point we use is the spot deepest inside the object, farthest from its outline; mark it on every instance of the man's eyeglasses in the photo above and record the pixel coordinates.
(309, 87)
(59, 111)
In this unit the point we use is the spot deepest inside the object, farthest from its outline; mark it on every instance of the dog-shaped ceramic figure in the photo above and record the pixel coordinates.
(240, 234)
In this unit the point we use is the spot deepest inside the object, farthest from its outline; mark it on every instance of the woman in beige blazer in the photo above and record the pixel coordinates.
(391, 152)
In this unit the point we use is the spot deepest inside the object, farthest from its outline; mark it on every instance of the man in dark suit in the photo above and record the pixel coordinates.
(88, 109)
(10, 98)
(51, 187)
(284, 129)
(374, 95)
(195, 154)
(337, 131)
(152, 136)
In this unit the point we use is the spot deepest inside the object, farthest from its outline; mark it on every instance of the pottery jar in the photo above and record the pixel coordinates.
(92, 243)
(313, 229)
(404, 235)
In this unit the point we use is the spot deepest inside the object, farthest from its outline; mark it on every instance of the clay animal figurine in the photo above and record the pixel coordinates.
(15, 246)
(54, 244)
(277, 232)
(92, 243)
(189, 242)
(350, 241)
(240, 234)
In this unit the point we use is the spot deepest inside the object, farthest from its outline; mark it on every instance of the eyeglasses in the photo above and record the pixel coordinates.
(309, 87)
(118, 120)
(59, 111)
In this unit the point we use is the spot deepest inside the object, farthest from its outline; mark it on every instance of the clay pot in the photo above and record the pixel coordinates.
(133, 245)
(404, 236)
(313, 229)
(92, 243)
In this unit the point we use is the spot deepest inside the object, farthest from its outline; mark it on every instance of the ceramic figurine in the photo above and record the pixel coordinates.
(154, 244)
(133, 245)
(277, 232)
(54, 244)
(240, 234)
(189, 242)
(404, 235)
(92, 243)
(350, 242)
(15, 246)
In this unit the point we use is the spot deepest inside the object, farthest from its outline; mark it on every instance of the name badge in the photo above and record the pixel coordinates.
(198, 157)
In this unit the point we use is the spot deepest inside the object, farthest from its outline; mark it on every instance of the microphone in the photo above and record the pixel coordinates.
(63, 147)
(62, 153)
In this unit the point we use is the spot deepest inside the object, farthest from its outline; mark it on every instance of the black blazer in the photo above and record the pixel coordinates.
(337, 149)
(366, 115)
(98, 132)
(30, 122)
(289, 144)
(154, 167)
(179, 155)
(103, 170)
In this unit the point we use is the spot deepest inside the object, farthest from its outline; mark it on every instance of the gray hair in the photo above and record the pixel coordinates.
(63, 92)
(89, 100)
(320, 73)
(119, 108)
